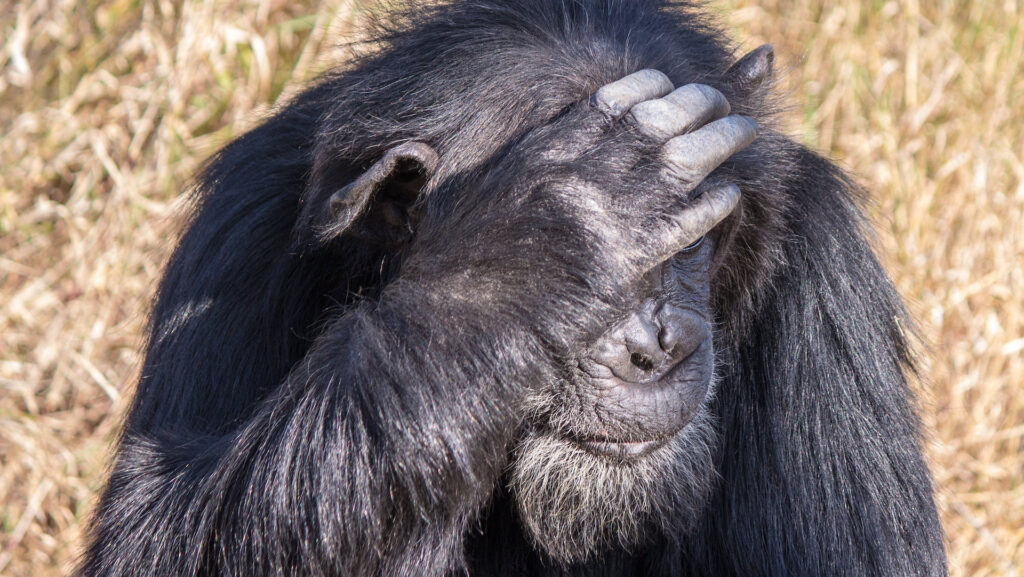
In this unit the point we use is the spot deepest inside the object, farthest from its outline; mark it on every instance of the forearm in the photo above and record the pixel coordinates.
(373, 455)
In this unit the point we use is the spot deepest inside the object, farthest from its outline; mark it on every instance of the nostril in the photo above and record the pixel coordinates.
(649, 343)
(641, 361)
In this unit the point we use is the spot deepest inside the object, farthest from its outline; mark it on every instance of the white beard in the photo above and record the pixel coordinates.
(575, 505)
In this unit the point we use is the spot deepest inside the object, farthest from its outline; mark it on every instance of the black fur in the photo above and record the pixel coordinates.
(311, 405)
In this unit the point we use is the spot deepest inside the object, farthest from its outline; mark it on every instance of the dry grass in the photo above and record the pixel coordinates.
(105, 110)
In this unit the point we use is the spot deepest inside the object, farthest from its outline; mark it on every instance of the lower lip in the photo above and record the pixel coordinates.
(621, 450)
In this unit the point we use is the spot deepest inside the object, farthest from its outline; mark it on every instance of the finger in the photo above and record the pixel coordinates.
(697, 219)
(680, 112)
(690, 158)
(617, 98)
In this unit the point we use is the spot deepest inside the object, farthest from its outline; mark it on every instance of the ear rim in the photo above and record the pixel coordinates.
(753, 70)
(347, 204)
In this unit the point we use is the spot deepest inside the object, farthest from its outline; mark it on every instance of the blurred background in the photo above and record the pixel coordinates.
(107, 108)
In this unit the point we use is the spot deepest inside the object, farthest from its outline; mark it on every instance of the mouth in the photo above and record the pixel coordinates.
(621, 450)
(644, 416)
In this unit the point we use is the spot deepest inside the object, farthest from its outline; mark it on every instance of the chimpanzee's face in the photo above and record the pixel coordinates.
(618, 448)
(650, 373)
(621, 448)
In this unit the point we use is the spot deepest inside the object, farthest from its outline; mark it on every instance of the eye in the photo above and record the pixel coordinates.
(694, 245)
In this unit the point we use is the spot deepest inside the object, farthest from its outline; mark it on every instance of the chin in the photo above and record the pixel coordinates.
(575, 503)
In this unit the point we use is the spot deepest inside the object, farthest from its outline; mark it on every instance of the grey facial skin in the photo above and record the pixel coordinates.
(650, 373)
(641, 390)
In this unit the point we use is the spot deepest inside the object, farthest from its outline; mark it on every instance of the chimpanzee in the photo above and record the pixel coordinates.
(534, 287)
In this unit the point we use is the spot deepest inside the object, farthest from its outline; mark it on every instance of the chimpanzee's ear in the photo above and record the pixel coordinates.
(378, 206)
(752, 71)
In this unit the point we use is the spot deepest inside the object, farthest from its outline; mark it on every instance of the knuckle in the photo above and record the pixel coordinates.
(656, 79)
(654, 109)
(726, 136)
(617, 97)
(700, 98)
(712, 97)
(682, 174)
(654, 118)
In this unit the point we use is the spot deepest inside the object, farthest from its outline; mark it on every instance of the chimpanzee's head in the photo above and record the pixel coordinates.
(618, 444)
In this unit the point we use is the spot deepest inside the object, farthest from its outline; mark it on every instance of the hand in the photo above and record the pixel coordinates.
(581, 209)
(641, 153)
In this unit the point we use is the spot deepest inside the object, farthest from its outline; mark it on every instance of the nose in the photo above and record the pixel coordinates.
(650, 342)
